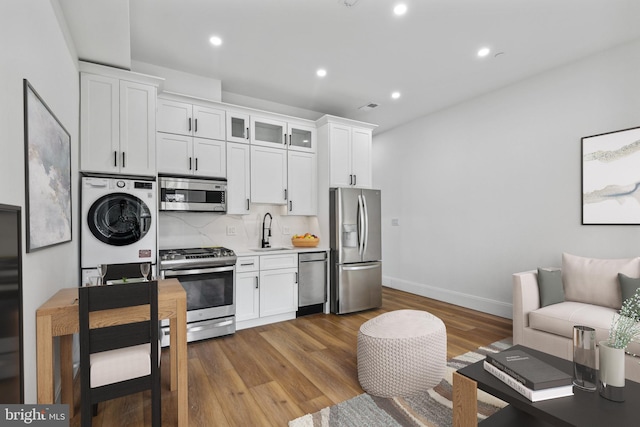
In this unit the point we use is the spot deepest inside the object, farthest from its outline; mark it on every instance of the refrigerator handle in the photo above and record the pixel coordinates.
(366, 224)
(361, 231)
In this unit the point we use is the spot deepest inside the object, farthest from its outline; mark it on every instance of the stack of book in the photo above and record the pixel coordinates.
(529, 376)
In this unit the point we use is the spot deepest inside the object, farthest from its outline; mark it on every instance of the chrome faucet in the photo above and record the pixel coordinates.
(265, 236)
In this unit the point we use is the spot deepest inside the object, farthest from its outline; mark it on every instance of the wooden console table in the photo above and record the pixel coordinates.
(58, 317)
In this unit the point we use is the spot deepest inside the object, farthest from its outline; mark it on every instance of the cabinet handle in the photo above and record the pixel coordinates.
(248, 134)
(289, 139)
(284, 136)
(247, 204)
(290, 205)
(196, 128)
(257, 282)
(196, 163)
(350, 179)
(355, 179)
(296, 277)
(246, 264)
(285, 194)
(189, 163)
(123, 160)
(189, 124)
(115, 159)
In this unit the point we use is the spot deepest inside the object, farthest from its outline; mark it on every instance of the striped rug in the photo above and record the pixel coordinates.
(430, 409)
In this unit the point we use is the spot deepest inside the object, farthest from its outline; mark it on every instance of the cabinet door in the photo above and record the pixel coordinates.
(340, 174)
(237, 127)
(175, 117)
(268, 132)
(302, 138)
(175, 154)
(210, 158)
(268, 175)
(278, 291)
(99, 124)
(361, 157)
(302, 180)
(238, 178)
(247, 296)
(137, 128)
(208, 122)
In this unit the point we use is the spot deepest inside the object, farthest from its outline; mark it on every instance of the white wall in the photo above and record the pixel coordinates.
(492, 186)
(34, 48)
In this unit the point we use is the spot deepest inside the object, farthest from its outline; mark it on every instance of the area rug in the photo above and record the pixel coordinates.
(430, 409)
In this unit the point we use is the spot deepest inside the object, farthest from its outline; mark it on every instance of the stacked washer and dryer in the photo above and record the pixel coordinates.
(119, 217)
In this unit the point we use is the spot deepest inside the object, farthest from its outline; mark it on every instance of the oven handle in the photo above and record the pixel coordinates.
(176, 273)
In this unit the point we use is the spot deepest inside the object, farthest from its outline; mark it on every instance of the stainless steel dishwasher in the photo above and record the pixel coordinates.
(312, 282)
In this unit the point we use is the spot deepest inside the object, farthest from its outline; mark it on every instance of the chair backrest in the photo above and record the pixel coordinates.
(93, 340)
(120, 271)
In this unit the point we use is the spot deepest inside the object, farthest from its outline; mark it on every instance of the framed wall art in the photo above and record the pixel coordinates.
(611, 178)
(47, 174)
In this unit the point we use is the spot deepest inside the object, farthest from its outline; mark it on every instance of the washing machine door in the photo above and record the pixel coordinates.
(119, 219)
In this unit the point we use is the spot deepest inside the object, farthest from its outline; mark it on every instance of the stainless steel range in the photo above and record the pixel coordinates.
(207, 276)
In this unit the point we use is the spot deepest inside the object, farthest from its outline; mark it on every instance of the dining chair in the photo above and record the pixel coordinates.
(118, 359)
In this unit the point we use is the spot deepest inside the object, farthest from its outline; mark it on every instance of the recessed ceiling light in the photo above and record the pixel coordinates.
(484, 52)
(321, 72)
(395, 95)
(215, 40)
(400, 9)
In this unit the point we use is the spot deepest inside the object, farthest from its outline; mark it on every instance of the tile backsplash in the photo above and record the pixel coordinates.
(196, 229)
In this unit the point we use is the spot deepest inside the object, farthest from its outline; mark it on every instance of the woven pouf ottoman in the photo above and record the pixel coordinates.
(401, 353)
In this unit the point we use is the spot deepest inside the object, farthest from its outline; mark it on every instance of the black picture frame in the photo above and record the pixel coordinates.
(47, 174)
(611, 178)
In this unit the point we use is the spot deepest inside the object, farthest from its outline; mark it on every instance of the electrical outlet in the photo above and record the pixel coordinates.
(395, 222)
(231, 230)
(286, 230)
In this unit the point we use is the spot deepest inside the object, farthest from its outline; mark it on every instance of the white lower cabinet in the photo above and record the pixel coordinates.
(266, 289)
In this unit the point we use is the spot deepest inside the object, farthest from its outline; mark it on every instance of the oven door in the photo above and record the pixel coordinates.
(210, 291)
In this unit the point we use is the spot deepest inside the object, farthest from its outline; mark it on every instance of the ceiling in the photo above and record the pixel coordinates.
(272, 48)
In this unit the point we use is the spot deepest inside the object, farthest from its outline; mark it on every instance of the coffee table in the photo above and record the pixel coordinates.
(582, 409)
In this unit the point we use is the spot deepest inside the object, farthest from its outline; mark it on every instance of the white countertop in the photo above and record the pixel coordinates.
(287, 250)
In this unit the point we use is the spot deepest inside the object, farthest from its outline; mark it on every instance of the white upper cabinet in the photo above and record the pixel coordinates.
(302, 190)
(192, 120)
(117, 125)
(268, 132)
(302, 138)
(268, 175)
(238, 127)
(185, 155)
(349, 156)
(238, 178)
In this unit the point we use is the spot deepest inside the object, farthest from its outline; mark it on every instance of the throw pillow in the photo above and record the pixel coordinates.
(595, 281)
(550, 287)
(628, 285)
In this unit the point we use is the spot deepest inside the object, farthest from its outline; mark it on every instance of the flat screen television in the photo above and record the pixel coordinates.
(11, 360)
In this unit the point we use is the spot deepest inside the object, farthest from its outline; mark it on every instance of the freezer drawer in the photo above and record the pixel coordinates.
(356, 287)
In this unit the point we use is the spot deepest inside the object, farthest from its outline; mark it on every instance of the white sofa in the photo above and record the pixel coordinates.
(550, 328)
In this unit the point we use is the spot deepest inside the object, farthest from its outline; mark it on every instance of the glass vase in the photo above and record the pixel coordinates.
(611, 380)
(584, 358)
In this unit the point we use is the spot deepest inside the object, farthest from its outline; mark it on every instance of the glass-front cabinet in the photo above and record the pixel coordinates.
(302, 138)
(268, 132)
(238, 127)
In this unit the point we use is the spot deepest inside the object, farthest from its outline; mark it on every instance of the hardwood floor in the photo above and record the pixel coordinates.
(269, 375)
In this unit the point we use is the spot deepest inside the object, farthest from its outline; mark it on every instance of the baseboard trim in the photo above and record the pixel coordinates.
(486, 305)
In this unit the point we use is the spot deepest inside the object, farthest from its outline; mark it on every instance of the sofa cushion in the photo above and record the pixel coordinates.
(595, 281)
(628, 286)
(550, 286)
(559, 319)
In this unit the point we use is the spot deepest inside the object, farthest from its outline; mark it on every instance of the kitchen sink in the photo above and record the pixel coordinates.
(270, 249)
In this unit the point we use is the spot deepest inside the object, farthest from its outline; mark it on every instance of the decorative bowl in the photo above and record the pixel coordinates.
(305, 243)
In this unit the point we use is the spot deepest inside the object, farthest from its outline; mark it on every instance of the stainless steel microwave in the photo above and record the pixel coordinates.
(192, 194)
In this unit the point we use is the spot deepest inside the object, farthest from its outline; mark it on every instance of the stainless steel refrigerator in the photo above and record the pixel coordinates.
(356, 250)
